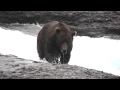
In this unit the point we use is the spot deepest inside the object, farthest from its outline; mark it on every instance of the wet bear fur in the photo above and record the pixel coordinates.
(55, 40)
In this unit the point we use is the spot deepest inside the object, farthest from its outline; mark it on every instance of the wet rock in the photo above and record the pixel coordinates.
(84, 22)
(88, 23)
(24, 69)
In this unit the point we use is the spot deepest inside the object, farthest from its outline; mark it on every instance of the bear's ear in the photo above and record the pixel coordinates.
(74, 33)
(57, 29)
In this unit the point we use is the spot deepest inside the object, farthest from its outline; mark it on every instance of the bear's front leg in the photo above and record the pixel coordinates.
(50, 57)
(65, 58)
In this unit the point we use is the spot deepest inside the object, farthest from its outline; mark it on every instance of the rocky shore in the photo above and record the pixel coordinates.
(12, 67)
(86, 23)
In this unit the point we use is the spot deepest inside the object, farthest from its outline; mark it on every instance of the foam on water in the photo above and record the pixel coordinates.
(19, 44)
(94, 53)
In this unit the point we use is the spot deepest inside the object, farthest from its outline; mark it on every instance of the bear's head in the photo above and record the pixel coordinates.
(64, 39)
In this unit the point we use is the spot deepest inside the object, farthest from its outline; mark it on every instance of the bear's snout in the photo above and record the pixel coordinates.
(64, 52)
(64, 48)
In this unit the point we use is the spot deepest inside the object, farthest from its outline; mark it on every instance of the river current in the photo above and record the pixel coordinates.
(94, 53)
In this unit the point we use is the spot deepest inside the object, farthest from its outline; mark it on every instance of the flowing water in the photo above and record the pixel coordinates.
(94, 53)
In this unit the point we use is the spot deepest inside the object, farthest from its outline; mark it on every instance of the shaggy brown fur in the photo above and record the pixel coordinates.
(55, 40)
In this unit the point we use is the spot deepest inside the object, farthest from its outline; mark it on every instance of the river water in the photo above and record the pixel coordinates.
(94, 53)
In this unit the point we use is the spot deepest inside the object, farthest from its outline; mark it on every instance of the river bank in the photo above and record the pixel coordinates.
(86, 23)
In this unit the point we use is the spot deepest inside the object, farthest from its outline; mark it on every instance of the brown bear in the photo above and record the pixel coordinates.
(54, 41)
